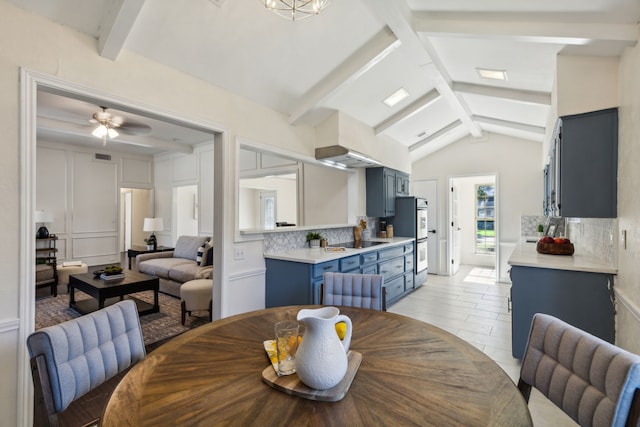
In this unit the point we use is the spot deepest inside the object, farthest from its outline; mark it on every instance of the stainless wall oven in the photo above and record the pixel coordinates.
(411, 220)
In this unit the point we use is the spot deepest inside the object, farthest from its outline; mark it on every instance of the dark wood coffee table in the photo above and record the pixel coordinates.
(107, 292)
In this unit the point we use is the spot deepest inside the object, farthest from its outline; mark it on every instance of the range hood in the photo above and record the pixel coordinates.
(337, 155)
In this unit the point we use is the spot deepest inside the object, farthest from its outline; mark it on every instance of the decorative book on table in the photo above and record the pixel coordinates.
(105, 276)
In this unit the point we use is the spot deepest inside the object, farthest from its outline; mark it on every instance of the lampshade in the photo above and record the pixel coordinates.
(42, 216)
(152, 224)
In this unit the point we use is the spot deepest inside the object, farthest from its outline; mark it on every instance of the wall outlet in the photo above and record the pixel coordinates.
(239, 254)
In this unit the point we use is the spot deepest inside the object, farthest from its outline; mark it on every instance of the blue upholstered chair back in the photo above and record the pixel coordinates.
(591, 380)
(82, 353)
(354, 290)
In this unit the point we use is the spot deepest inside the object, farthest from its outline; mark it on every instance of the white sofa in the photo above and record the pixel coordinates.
(178, 266)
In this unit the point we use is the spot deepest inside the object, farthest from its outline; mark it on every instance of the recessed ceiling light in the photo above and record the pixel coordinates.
(396, 97)
(488, 73)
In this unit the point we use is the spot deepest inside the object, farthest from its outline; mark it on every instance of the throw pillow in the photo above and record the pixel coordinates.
(199, 255)
(207, 255)
(210, 256)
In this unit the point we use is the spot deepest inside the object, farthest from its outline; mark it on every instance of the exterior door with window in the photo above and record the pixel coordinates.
(485, 219)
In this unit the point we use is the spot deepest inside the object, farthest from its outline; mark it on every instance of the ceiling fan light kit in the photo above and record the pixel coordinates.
(296, 10)
(105, 126)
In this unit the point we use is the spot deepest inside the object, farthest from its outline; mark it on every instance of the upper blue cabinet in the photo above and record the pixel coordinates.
(581, 179)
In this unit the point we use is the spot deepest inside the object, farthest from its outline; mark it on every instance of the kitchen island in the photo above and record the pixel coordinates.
(295, 277)
(576, 288)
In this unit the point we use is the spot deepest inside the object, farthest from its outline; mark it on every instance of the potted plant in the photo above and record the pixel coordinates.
(313, 237)
(540, 230)
(151, 242)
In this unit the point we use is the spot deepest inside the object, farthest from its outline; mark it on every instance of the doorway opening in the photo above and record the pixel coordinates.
(473, 222)
(136, 204)
(31, 83)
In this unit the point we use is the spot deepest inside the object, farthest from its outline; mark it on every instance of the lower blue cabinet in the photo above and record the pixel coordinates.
(300, 283)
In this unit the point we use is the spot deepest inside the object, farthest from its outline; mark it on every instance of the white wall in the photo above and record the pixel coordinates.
(34, 43)
(628, 279)
(515, 162)
(586, 83)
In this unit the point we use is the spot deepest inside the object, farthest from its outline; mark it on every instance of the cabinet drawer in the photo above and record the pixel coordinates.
(349, 263)
(394, 288)
(392, 267)
(391, 253)
(408, 281)
(368, 258)
(320, 269)
(370, 269)
(408, 248)
(408, 262)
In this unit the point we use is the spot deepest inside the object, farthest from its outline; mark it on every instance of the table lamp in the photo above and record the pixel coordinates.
(42, 217)
(152, 225)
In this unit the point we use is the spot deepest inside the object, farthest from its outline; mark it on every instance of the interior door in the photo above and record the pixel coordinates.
(268, 209)
(455, 249)
(428, 189)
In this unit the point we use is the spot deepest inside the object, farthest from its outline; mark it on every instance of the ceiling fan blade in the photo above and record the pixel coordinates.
(134, 128)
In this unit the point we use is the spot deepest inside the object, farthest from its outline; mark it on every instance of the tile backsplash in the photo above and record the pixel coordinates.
(529, 225)
(596, 237)
(291, 240)
(592, 237)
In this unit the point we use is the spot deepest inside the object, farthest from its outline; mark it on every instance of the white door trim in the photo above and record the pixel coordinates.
(30, 82)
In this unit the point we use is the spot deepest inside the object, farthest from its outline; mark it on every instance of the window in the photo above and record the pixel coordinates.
(485, 213)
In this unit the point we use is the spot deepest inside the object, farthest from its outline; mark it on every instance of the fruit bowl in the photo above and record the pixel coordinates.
(555, 248)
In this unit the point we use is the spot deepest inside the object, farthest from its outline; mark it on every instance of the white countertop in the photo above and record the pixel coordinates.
(525, 255)
(319, 255)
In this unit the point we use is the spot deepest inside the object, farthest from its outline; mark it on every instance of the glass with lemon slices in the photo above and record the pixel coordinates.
(286, 346)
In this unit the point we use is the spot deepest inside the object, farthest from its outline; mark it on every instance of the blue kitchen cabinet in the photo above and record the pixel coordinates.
(381, 192)
(300, 283)
(582, 175)
(582, 299)
(294, 283)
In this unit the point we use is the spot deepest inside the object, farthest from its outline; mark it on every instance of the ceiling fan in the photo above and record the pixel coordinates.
(108, 123)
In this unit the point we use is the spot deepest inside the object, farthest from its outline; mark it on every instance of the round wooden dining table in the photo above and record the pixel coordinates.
(412, 373)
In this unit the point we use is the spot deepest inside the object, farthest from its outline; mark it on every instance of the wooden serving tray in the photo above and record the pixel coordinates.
(555, 248)
(292, 385)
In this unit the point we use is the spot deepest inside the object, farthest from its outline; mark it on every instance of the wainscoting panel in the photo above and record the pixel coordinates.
(137, 173)
(246, 292)
(9, 336)
(95, 195)
(627, 322)
(96, 250)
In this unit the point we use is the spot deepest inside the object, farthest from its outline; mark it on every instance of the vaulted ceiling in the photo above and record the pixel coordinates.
(358, 52)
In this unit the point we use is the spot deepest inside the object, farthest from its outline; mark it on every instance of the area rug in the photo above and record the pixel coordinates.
(155, 327)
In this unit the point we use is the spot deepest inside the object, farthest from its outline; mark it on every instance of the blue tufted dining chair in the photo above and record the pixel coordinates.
(594, 382)
(74, 357)
(354, 290)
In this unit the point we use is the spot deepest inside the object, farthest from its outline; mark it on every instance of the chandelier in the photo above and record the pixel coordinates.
(296, 9)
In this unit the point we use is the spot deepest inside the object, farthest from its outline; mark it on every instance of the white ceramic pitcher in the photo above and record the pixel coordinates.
(321, 360)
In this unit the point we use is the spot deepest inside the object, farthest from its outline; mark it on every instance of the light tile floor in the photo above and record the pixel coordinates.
(473, 306)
